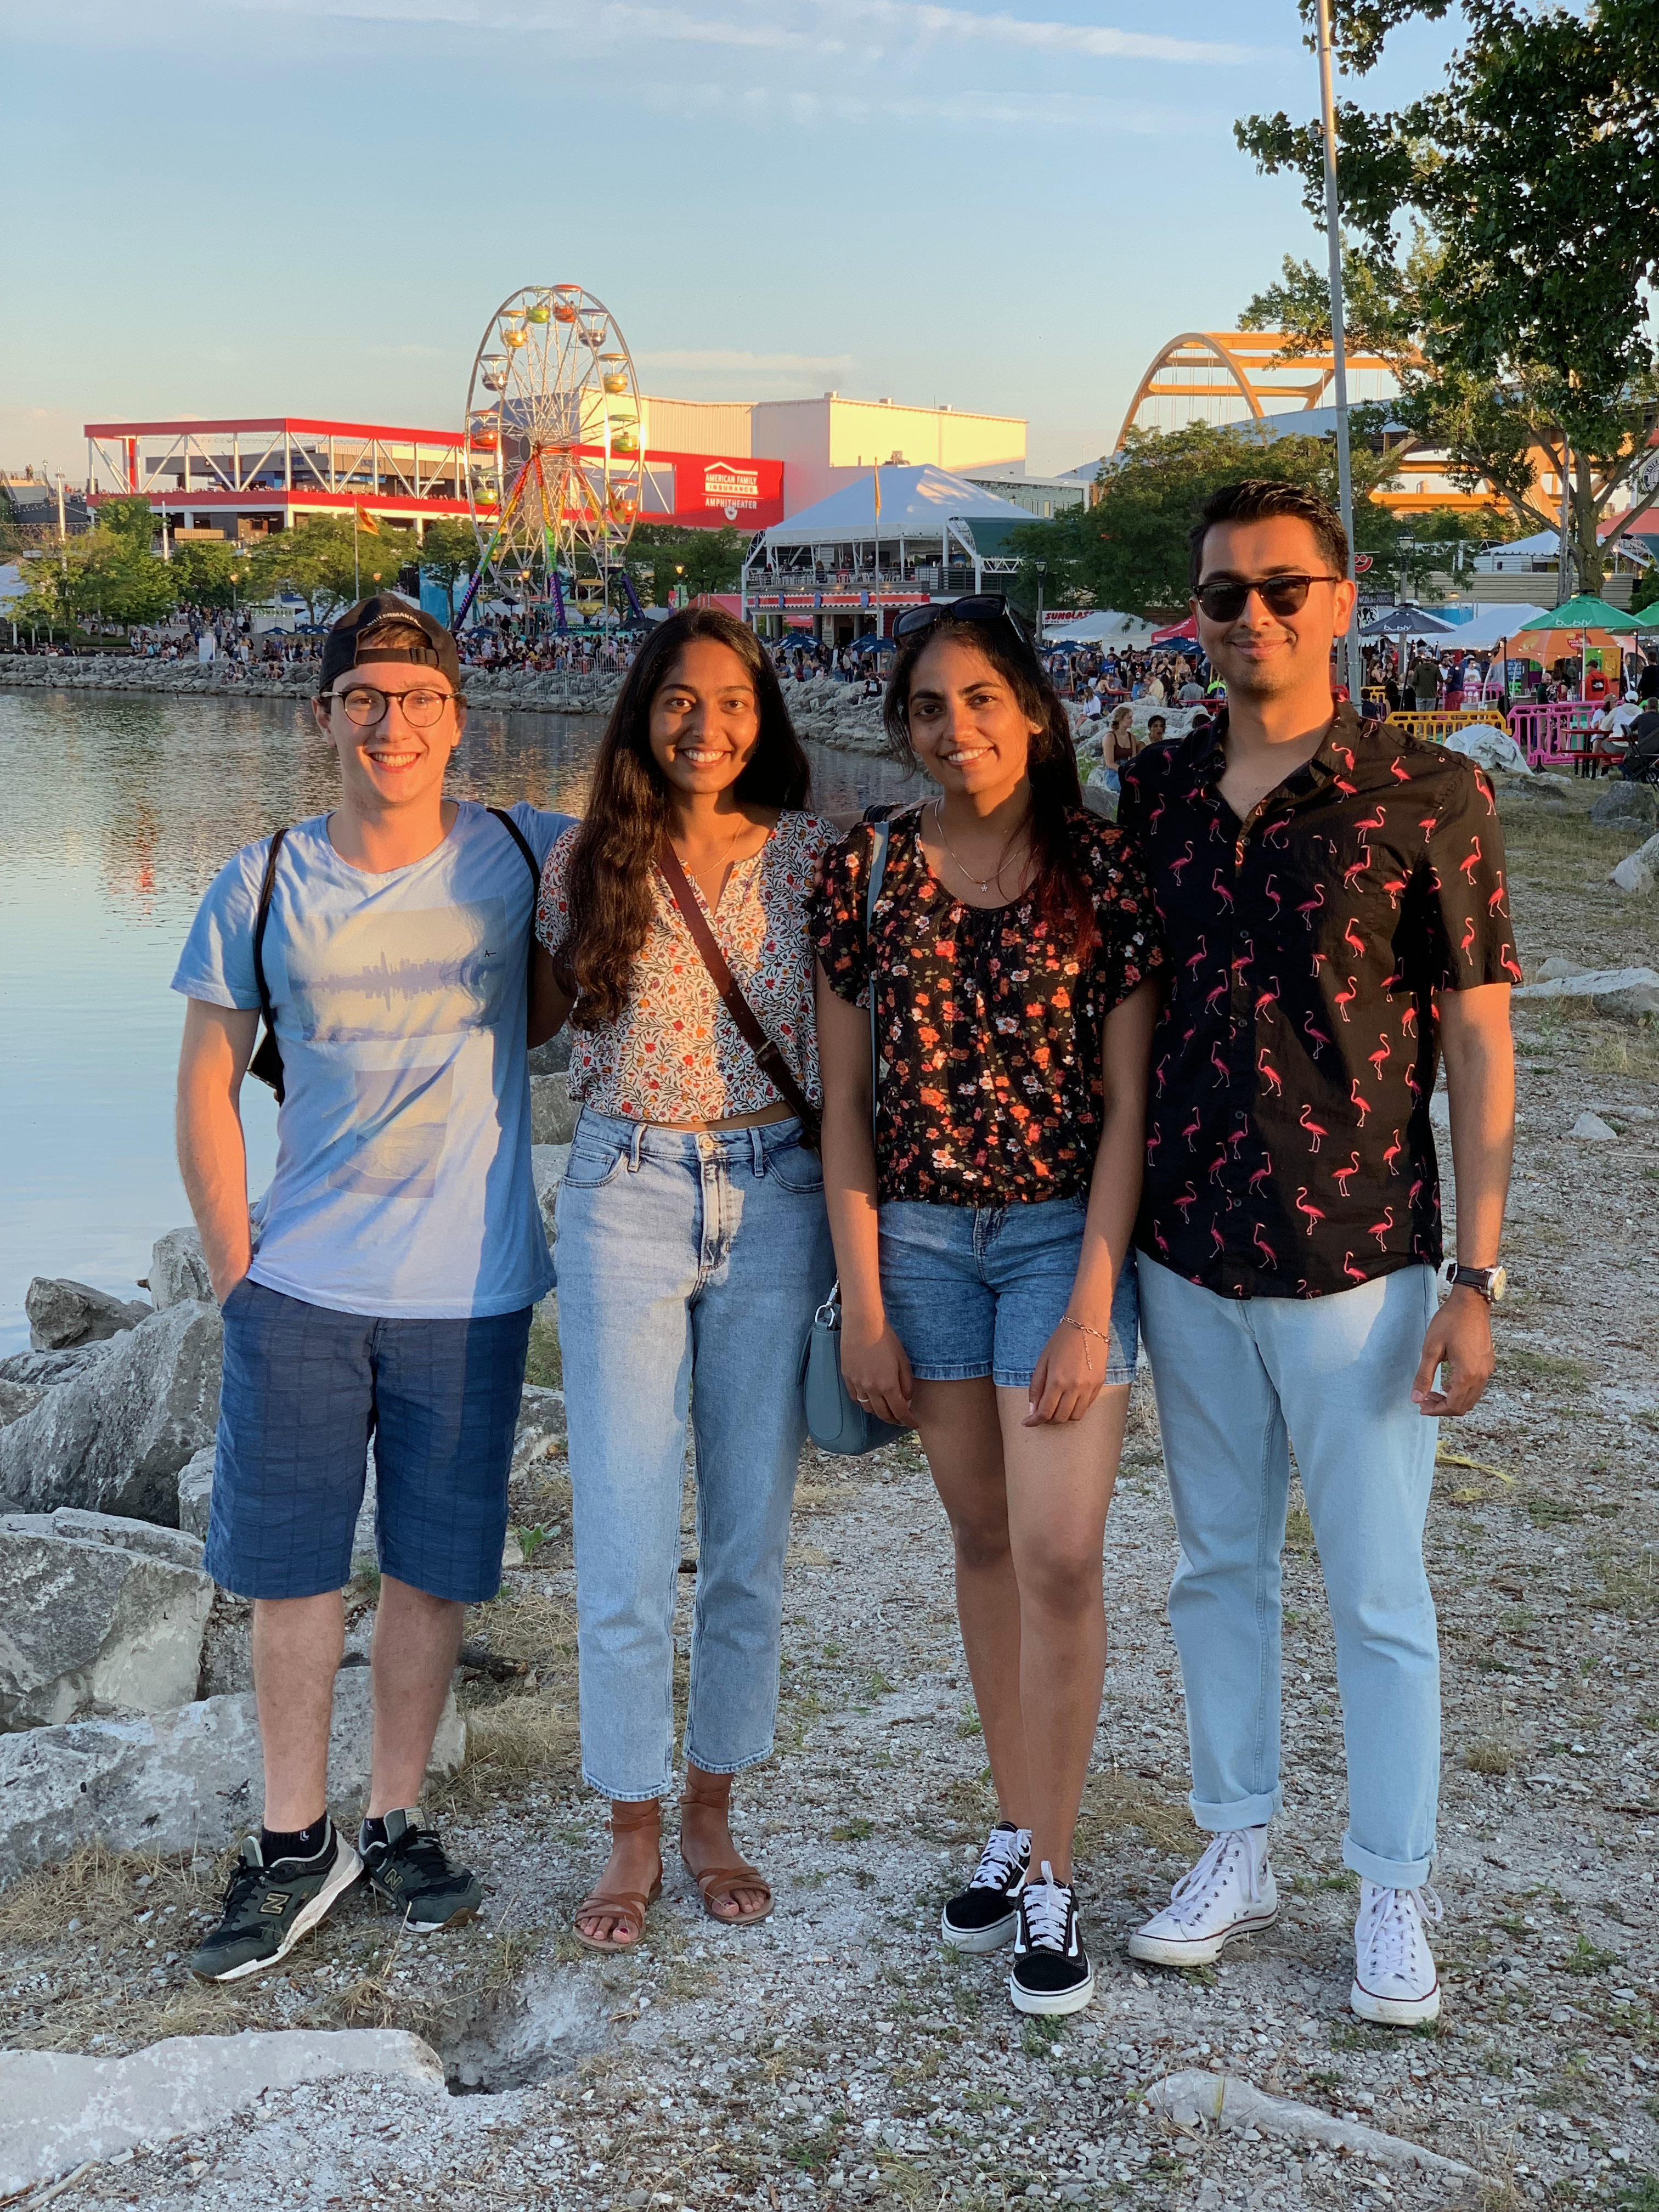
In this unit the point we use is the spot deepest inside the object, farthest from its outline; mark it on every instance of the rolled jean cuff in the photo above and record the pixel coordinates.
(725, 1765)
(627, 1796)
(1388, 1874)
(1242, 1813)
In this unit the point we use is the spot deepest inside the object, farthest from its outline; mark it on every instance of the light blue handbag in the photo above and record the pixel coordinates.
(834, 1421)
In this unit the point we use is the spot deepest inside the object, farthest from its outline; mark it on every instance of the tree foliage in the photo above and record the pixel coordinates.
(662, 555)
(314, 561)
(211, 571)
(1532, 176)
(104, 575)
(130, 517)
(449, 554)
(1128, 551)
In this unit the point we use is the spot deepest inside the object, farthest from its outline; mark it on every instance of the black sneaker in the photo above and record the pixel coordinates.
(1052, 1972)
(267, 1909)
(412, 1872)
(984, 1915)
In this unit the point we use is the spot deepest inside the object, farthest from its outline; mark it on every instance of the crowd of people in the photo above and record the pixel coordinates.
(952, 1111)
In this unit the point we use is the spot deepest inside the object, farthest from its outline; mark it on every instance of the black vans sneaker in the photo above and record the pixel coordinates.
(267, 1909)
(1052, 1972)
(984, 1915)
(411, 1871)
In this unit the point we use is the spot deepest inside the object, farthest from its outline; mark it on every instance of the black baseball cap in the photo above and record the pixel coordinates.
(351, 644)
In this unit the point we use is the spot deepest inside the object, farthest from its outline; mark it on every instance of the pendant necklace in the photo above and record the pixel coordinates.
(980, 882)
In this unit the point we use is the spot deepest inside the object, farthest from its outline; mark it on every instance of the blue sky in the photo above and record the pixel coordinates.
(311, 207)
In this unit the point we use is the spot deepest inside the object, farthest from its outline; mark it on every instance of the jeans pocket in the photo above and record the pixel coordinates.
(591, 1166)
(796, 1169)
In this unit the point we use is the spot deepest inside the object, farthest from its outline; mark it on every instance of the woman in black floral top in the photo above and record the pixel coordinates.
(983, 1236)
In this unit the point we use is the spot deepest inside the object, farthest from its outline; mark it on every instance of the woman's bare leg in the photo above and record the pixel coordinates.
(959, 1431)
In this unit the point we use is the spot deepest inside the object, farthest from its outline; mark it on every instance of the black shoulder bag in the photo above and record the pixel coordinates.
(267, 1061)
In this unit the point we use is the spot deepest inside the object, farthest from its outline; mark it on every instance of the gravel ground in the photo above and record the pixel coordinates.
(839, 2056)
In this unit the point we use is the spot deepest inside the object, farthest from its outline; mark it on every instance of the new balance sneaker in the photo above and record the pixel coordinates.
(1052, 1972)
(1228, 1893)
(412, 1872)
(267, 1909)
(1395, 1978)
(984, 1915)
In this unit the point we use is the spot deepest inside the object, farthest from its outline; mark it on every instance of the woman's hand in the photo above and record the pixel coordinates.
(1068, 1377)
(875, 1370)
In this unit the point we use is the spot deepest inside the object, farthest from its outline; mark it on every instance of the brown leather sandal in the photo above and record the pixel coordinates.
(718, 1882)
(628, 1906)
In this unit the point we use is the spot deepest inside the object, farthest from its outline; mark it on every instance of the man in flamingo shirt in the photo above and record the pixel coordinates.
(1333, 900)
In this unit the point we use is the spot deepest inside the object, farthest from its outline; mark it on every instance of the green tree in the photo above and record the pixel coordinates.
(661, 556)
(129, 518)
(1532, 173)
(449, 553)
(102, 575)
(314, 562)
(211, 573)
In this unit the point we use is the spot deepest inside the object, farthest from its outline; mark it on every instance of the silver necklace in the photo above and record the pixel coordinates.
(979, 883)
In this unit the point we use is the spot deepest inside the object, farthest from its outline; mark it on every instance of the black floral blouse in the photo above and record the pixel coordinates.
(989, 1028)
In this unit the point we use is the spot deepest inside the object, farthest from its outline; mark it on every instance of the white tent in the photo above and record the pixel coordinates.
(915, 503)
(1477, 626)
(1101, 626)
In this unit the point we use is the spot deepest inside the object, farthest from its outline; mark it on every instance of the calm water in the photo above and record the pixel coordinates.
(114, 818)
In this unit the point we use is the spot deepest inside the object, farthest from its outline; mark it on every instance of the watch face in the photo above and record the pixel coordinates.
(1499, 1284)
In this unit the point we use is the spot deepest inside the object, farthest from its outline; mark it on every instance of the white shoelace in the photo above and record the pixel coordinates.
(1192, 1893)
(1048, 1905)
(1391, 1931)
(1001, 1855)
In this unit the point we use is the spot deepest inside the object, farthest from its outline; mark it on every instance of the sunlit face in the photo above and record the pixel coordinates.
(390, 761)
(705, 718)
(1260, 654)
(968, 727)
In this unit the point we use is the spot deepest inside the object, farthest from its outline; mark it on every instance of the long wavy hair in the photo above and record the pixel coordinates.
(1058, 891)
(609, 882)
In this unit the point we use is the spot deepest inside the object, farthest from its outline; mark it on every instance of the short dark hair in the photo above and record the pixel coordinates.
(1263, 499)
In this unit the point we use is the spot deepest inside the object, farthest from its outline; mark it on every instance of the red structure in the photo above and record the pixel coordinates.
(245, 477)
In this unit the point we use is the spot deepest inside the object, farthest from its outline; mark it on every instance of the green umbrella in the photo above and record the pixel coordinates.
(1586, 611)
(1649, 617)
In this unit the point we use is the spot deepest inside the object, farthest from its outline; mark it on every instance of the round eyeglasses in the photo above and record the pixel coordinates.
(421, 708)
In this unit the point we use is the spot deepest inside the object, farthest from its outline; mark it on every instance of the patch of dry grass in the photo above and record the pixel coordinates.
(1488, 1755)
(1115, 1802)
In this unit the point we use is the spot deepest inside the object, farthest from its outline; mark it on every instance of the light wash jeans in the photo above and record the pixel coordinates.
(689, 1268)
(1234, 1377)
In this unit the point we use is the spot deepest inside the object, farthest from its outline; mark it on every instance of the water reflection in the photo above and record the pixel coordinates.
(117, 814)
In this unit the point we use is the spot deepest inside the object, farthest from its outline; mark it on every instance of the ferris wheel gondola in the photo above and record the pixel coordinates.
(555, 459)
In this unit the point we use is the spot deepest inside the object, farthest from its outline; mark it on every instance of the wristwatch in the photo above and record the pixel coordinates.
(1490, 1282)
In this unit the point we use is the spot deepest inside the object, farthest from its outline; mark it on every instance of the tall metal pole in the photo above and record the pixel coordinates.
(1338, 338)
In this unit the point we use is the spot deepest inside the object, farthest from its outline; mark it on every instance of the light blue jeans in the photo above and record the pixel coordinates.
(689, 1267)
(1236, 1378)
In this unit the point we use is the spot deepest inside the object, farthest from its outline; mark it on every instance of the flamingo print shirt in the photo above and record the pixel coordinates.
(1288, 1147)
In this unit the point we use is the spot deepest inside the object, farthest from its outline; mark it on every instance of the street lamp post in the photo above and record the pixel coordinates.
(1339, 337)
(1041, 568)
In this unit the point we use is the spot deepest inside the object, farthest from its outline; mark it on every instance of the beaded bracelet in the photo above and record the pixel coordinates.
(1083, 1329)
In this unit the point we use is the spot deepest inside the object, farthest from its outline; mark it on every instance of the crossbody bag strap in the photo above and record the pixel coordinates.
(523, 844)
(768, 1056)
(881, 833)
(262, 916)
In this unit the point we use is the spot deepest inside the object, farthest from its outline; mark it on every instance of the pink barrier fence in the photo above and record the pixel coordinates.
(1554, 734)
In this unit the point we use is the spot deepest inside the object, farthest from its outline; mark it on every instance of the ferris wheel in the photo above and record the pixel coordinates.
(555, 469)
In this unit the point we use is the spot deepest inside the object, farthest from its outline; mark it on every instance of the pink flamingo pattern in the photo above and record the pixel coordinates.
(1382, 864)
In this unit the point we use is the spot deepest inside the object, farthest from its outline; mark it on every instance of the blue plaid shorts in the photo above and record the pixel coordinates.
(304, 1389)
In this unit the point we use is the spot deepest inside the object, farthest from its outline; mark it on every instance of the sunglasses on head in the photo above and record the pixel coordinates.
(1280, 595)
(977, 607)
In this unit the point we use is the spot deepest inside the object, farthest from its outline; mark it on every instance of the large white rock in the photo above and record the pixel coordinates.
(17, 1398)
(196, 1492)
(64, 1313)
(547, 1165)
(1193, 2098)
(541, 1424)
(178, 1270)
(1640, 873)
(552, 1114)
(58, 2110)
(1590, 1128)
(88, 1623)
(45, 1370)
(174, 1782)
(114, 1436)
(1626, 993)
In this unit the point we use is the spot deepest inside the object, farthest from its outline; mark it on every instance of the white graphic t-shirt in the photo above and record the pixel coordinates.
(403, 1183)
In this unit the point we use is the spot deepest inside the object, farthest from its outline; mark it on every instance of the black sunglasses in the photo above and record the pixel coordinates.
(1280, 595)
(975, 607)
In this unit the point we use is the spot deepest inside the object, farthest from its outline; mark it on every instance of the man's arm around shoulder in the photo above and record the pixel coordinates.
(218, 1043)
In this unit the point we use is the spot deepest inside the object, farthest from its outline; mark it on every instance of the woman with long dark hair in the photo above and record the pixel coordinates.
(982, 1237)
(692, 1242)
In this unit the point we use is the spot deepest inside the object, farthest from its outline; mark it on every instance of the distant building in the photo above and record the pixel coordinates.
(32, 502)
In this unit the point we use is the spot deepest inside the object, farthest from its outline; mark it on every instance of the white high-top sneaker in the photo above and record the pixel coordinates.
(1228, 1893)
(1395, 1978)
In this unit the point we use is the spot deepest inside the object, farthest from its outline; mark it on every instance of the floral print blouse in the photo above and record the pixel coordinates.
(989, 1028)
(675, 1053)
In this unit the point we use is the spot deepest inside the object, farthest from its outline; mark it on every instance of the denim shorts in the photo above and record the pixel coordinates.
(304, 1389)
(979, 1289)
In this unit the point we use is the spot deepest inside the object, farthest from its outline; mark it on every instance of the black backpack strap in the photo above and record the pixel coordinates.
(267, 1061)
(522, 842)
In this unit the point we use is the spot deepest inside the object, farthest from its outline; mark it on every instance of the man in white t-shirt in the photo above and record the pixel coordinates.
(384, 1283)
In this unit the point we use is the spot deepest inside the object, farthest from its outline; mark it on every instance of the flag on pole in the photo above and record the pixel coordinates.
(365, 521)
(876, 472)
